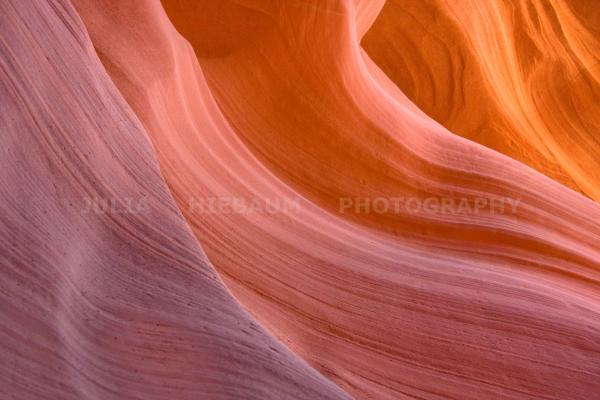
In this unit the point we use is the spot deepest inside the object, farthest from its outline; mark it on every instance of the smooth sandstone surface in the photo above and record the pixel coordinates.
(391, 305)
(273, 103)
(521, 77)
(117, 301)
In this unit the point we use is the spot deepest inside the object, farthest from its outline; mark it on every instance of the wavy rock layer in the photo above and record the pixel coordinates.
(521, 77)
(390, 304)
(274, 139)
(117, 301)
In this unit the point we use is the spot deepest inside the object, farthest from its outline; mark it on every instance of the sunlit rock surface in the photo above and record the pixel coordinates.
(163, 164)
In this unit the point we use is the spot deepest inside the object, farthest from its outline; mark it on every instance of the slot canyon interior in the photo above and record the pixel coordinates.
(299, 199)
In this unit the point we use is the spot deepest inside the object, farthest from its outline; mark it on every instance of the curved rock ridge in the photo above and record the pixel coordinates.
(104, 291)
(521, 77)
(440, 303)
(395, 259)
